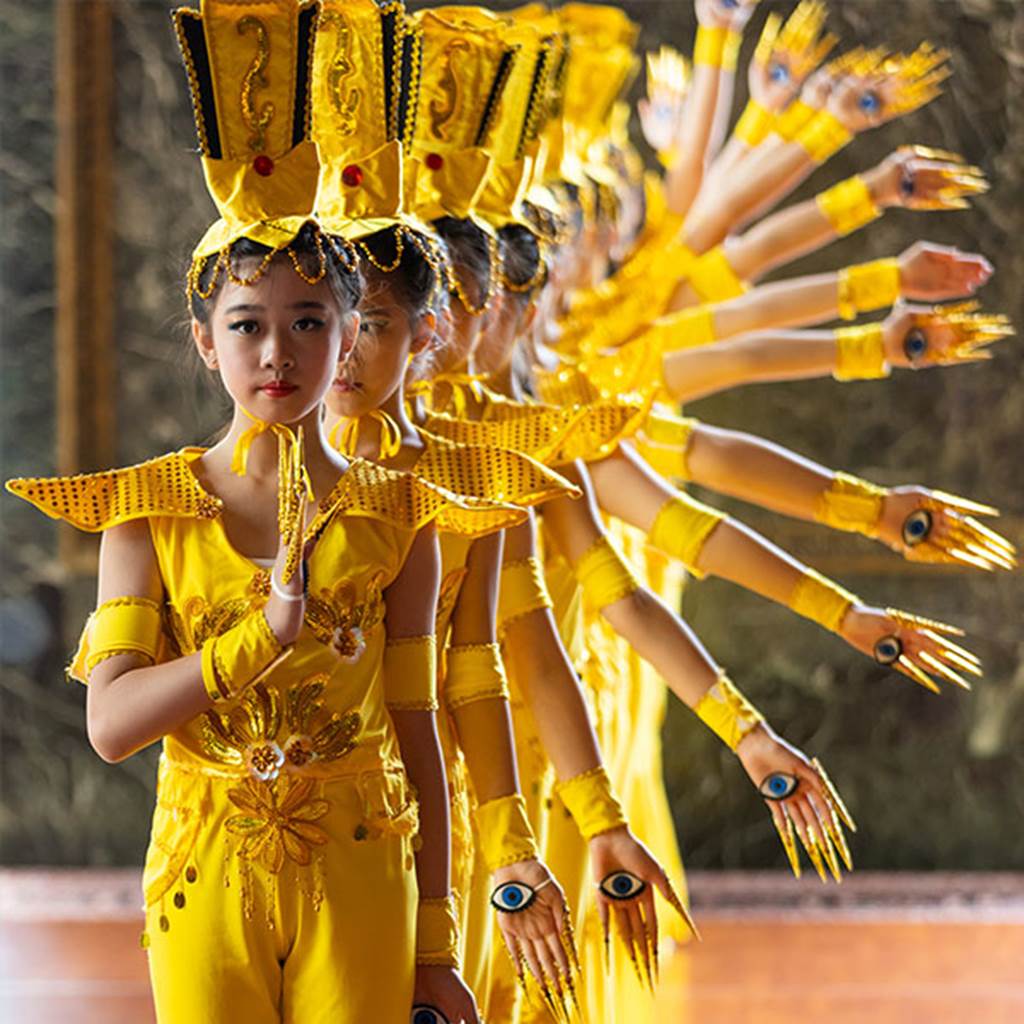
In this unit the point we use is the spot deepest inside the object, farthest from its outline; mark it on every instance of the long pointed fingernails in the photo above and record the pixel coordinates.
(569, 941)
(788, 844)
(944, 670)
(910, 669)
(830, 854)
(965, 504)
(810, 841)
(835, 830)
(833, 794)
(947, 645)
(677, 905)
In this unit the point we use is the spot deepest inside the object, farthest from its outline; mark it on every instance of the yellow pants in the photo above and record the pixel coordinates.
(234, 938)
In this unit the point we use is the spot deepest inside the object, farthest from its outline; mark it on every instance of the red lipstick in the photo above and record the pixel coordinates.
(278, 389)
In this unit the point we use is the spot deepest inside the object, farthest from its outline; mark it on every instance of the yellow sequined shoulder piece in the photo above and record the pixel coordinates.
(490, 472)
(407, 501)
(163, 486)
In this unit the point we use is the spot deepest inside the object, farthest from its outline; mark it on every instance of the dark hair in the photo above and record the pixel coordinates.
(408, 261)
(309, 250)
(469, 250)
(522, 263)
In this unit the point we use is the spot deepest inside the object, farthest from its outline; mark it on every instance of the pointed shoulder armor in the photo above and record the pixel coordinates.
(164, 486)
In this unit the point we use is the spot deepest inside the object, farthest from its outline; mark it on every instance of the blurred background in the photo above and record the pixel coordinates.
(101, 190)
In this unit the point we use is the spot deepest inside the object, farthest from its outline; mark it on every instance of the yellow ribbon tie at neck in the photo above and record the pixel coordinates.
(344, 435)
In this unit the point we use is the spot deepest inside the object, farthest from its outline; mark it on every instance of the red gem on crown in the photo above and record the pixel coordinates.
(352, 175)
(263, 165)
(435, 161)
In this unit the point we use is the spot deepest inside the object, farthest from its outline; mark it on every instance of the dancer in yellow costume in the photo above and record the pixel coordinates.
(295, 693)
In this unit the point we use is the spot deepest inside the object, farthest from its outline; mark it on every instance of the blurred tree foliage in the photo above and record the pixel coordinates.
(933, 780)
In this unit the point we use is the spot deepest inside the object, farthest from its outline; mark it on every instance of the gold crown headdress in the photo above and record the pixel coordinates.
(248, 74)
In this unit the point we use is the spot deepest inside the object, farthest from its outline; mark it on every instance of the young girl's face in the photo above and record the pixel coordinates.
(389, 334)
(504, 327)
(277, 342)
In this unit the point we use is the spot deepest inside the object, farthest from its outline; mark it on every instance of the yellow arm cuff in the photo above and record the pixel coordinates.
(123, 625)
(504, 832)
(689, 328)
(241, 657)
(848, 205)
(604, 575)
(665, 444)
(795, 117)
(754, 124)
(851, 504)
(437, 933)
(681, 529)
(860, 353)
(727, 713)
(817, 598)
(867, 286)
(410, 673)
(709, 46)
(523, 590)
(731, 50)
(711, 276)
(474, 672)
(589, 799)
(822, 136)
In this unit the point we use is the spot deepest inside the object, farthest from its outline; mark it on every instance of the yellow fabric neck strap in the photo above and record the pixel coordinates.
(851, 504)
(588, 797)
(123, 625)
(504, 832)
(727, 713)
(604, 575)
(410, 673)
(344, 435)
(523, 590)
(821, 600)
(682, 528)
(437, 933)
(459, 385)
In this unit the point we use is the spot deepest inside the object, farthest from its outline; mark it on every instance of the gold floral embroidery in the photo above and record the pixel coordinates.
(338, 620)
(258, 121)
(250, 734)
(274, 824)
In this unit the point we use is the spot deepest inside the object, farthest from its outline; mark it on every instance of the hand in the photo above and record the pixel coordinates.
(285, 614)
(723, 13)
(787, 54)
(542, 934)
(443, 989)
(662, 112)
(920, 178)
(931, 526)
(930, 272)
(914, 337)
(801, 798)
(912, 645)
(619, 852)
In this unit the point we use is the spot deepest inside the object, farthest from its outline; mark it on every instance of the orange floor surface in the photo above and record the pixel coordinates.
(745, 972)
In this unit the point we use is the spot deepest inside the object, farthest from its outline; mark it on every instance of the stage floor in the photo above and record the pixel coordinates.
(817, 959)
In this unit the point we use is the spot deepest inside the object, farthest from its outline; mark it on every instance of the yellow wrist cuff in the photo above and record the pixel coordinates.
(665, 444)
(410, 673)
(822, 137)
(711, 276)
(848, 205)
(817, 598)
(860, 353)
(241, 657)
(795, 117)
(689, 328)
(473, 672)
(867, 286)
(123, 625)
(604, 576)
(851, 504)
(731, 50)
(754, 124)
(437, 933)
(709, 46)
(682, 528)
(589, 799)
(504, 832)
(727, 713)
(523, 590)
